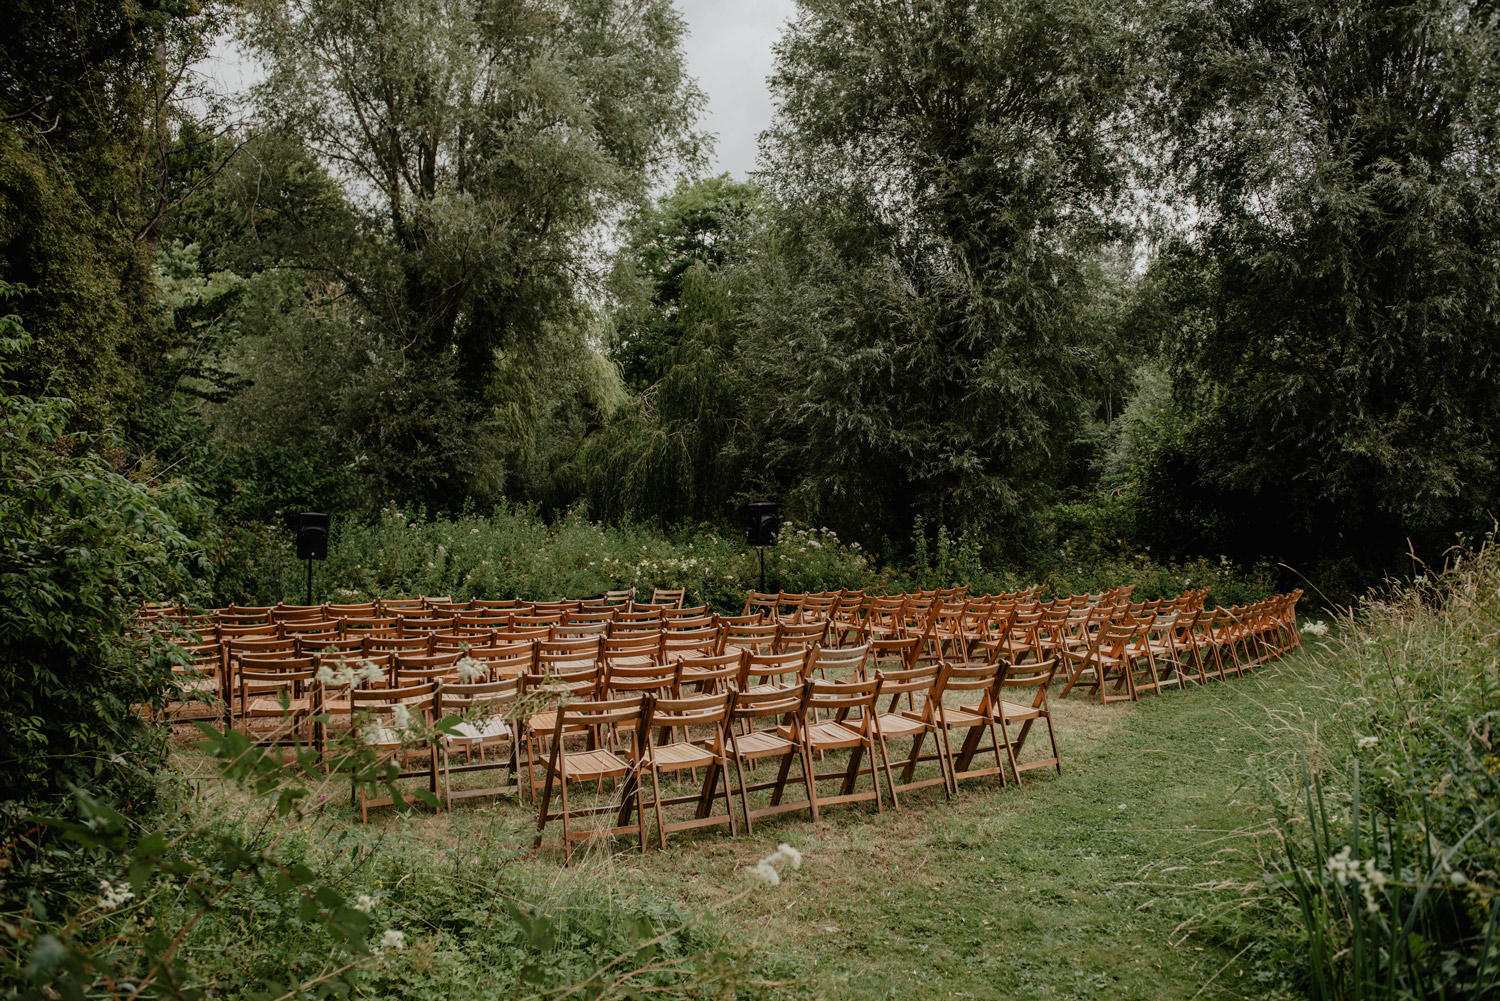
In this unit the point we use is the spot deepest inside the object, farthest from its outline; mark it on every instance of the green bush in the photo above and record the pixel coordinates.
(81, 547)
(513, 552)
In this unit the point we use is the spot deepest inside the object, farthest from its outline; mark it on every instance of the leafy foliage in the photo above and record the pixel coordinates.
(480, 144)
(1391, 837)
(81, 547)
(1330, 317)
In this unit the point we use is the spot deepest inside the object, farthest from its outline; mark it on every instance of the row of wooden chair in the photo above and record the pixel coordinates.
(747, 709)
(1123, 652)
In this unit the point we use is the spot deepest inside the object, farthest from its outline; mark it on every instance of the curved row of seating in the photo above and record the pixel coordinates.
(543, 698)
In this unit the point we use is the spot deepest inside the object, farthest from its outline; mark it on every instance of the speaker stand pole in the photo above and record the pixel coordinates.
(309, 582)
(762, 551)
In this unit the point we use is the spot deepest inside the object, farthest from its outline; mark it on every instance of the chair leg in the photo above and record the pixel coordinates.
(661, 826)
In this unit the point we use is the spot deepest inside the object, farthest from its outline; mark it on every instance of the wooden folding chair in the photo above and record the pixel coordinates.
(676, 644)
(957, 679)
(765, 671)
(669, 747)
(756, 745)
(797, 635)
(281, 689)
(604, 722)
(372, 715)
(851, 724)
(581, 684)
(668, 596)
(917, 724)
(1032, 677)
(709, 673)
(758, 638)
(484, 706)
(839, 663)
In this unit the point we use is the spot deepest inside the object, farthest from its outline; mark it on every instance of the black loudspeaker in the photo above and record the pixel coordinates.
(312, 536)
(762, 522)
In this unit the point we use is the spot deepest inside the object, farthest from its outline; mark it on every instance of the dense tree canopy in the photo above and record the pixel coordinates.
(1333, 319)
(1210, 277)
(950, 168)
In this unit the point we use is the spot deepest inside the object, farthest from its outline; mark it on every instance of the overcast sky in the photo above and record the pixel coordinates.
(729, 51)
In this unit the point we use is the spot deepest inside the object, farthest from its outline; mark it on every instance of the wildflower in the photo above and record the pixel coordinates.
(473, 531)
(1363, 874)
(767, 870)
(469, 670)
(1315, 628)
(401, 717)
(1365, 742)
(113, 895)
(364, 902)
(766, 873)
(1457, 878)
(371, 672)
(393, 939)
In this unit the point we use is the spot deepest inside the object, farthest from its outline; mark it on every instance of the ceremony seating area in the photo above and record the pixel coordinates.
(650, 714)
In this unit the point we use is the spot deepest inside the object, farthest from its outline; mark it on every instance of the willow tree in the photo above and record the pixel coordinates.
(481, 144)
(946, 169)
(1333, 317)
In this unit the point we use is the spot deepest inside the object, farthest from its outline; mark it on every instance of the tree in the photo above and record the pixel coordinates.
(103, 133)
(1333, 318)
(947, 169)
(481, 144)
(677, 283)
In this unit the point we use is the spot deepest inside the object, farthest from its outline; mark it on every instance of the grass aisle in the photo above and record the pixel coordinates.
(1088, 885)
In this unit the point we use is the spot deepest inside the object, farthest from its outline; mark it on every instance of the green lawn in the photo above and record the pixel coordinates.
(1101, 882)
(1095, 883)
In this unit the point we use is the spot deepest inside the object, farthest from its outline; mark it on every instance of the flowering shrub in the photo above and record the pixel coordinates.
(514, 553)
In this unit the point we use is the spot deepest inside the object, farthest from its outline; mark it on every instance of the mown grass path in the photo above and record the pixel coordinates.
(1092, 884)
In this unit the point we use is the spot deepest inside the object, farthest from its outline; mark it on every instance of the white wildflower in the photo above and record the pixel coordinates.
(324, 675)
(766, 873)
(371, 672)
(1315, 628)
(1365, 742)
(1457, 878)
(1362, 873)
(364, 902)
(401, 717)
(767, 870)
(393, 939)
(469, 670)
(112, 895)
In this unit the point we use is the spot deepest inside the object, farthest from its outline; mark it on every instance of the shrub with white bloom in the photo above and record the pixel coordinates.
(768, 869)
(1315, 628)
(393, 939)
(112, 895)
(364, 902)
